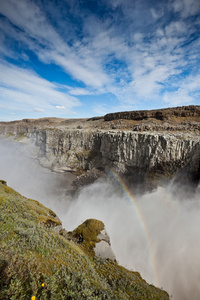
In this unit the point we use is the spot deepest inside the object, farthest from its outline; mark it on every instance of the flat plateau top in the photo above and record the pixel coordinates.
(181, 119)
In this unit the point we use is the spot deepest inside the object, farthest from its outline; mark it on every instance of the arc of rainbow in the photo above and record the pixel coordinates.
(140, 218)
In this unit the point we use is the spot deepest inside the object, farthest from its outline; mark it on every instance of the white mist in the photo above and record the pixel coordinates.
(156, 234)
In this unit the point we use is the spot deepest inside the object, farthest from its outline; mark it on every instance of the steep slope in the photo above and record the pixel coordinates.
(38, 262)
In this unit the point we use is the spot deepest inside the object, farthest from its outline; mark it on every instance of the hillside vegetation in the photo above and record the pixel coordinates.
(37, 262)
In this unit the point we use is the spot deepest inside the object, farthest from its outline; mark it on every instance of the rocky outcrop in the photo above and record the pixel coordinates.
(93, 237)
(160, 114)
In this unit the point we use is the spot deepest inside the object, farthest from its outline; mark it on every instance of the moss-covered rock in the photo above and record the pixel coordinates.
(93, 238)
(89, 230)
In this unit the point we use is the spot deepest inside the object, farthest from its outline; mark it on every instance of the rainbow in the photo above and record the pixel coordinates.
(141, 221)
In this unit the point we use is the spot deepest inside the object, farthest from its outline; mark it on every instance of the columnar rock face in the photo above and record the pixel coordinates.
(126, 152)
(118, 149)
(65, 149)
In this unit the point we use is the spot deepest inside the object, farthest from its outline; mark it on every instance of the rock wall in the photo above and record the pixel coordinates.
(124, 151)
(135, 154)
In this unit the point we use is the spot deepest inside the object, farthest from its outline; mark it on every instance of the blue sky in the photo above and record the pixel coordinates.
(78, 58)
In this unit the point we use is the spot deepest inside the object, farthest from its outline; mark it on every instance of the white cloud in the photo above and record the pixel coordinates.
(84, 69)
(25, 88)
(60, 107)
(38, 109)
(156, 14)
(100, 109)
(186, 8)
(135, 59)
(80, 92)
(138, 37)
(49, 46)
(186, 91)
(27, 16)
(176, 28)
(178, 97)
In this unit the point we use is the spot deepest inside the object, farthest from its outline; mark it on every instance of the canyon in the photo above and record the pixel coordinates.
(139, 146)
(123, 173)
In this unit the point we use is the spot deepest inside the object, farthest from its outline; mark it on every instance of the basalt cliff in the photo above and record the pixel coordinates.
(143, 146)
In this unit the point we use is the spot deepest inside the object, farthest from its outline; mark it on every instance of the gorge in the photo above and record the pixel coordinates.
(82, 145)
(142, 184)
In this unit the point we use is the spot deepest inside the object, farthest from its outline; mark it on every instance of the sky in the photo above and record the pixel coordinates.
(79, 59)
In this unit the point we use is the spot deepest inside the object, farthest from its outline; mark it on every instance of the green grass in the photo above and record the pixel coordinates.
(37, 261)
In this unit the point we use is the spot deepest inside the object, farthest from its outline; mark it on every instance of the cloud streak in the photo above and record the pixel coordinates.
(25, 89)
(137, 51)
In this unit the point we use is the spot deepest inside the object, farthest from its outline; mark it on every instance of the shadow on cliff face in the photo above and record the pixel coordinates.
(156, 234)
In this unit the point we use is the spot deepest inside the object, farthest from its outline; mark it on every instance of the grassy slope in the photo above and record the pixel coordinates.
(37, 261)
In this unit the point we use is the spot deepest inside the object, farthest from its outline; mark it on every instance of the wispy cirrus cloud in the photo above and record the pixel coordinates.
(24, 88)
(40, 36)
(80, 91)
(136, 52)
(184, 91)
